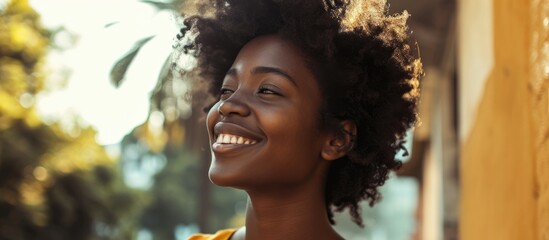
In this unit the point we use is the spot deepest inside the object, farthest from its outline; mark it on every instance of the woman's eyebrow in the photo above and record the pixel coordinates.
(278, 71)
(231, 72)
(264, 69)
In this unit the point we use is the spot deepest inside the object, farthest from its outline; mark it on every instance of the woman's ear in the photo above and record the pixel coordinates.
(340, 142)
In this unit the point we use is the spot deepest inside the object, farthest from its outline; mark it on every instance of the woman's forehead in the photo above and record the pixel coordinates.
(275, 52)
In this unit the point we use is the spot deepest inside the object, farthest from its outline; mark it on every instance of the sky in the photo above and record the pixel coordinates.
(88, 94)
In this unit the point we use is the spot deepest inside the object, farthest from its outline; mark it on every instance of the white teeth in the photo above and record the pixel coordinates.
(233, 139)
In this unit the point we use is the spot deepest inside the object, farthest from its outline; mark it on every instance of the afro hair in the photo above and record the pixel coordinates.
(363, 62)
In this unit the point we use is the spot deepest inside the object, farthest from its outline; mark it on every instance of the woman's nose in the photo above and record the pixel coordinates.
(234, 105)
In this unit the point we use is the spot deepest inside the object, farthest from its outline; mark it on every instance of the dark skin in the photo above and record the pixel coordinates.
(266, 139)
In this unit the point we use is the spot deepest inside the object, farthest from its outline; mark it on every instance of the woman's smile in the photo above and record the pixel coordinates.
(233, 139)
(231, 136)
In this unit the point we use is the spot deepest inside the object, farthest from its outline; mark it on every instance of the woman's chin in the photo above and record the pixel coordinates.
(219, 181)
(222, 178)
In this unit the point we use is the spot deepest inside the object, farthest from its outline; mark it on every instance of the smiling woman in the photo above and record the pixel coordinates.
(313, 101)
(277, 114)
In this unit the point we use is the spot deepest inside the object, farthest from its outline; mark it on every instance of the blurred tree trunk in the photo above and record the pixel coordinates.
(198, 141)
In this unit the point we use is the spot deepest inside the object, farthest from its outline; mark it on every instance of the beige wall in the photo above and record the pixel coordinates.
(473, 17)
(505, 155)
(539, 90)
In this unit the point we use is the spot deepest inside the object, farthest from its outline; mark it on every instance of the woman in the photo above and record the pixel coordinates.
(313, 101)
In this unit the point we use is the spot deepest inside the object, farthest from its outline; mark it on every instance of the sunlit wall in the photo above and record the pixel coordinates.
(504, 161)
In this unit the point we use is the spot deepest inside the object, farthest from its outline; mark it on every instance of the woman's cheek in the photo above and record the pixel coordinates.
(211, 118)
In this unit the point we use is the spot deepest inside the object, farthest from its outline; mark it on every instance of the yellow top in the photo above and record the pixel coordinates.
(219, 235)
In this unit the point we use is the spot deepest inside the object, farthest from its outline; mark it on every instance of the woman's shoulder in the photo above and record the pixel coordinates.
(224, 234)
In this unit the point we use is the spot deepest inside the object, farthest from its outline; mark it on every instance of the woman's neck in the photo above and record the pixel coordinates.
(290, 213)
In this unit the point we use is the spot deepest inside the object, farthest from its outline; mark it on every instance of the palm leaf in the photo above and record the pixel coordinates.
(108, 25)
(166, 68)
(118, 71)
(160, 5)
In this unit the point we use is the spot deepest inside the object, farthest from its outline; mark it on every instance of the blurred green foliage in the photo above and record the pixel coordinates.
(175, 199)
(56, 182)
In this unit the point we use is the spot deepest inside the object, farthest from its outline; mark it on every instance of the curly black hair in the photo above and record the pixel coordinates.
(362, 59)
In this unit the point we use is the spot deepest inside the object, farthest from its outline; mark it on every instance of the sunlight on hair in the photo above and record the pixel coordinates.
(368, 14)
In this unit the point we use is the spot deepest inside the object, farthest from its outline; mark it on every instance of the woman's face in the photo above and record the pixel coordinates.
(264, 131)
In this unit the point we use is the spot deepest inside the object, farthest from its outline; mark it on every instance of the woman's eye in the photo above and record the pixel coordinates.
(225, 93)
(265, 90)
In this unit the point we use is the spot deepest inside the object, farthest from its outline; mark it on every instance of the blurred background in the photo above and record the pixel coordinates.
(99, 139)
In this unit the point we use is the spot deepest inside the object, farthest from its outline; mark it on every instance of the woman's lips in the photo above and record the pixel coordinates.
(230, 136)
